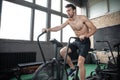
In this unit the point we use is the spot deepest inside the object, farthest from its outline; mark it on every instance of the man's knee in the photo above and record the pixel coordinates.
(81, 61)
(63, 51)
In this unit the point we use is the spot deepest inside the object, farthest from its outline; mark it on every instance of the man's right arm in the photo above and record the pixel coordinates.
(56, 28)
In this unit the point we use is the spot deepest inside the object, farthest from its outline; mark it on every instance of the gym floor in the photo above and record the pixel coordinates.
(89, 69)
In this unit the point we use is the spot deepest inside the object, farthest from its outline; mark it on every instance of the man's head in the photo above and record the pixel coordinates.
(71, 10)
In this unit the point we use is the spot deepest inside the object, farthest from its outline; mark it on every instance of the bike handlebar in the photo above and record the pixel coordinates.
(40, 46)
(110, 48)
(75, 37)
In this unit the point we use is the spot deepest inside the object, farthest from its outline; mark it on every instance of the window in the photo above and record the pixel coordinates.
(40, 22)
(16, 19)
(101, 7)
(114, 5)
(15, 22)
(97, 8)
(42, 2)
(55, 21)
(55, 5)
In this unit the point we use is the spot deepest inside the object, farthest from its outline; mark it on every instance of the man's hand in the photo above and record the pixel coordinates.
(44, 29)
(82, 37)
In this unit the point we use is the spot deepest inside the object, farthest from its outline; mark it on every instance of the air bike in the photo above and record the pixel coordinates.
(55, 69)
(111, 70)
(49, 70)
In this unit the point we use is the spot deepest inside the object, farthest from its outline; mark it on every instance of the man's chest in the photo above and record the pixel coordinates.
(76, 25)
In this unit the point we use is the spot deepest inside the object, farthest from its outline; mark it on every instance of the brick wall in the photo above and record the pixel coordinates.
(107, 20)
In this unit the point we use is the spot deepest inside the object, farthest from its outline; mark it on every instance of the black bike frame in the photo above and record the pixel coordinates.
(67, 54)
(38, 41)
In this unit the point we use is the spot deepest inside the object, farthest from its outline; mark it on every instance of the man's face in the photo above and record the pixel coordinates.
(70, 12)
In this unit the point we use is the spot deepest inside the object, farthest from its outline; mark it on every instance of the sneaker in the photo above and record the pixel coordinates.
(72, 71)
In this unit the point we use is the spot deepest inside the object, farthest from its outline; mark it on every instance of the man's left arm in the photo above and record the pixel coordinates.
(91, 27)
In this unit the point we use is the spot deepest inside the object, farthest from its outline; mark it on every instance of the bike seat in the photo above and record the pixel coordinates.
(54, 41)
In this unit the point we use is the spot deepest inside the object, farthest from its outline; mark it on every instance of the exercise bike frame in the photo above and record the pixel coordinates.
(45, 63)
(106, 73)
(40, 48)
(108, 43)
(76, 74)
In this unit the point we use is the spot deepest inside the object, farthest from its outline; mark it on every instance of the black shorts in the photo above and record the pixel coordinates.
(80, 47)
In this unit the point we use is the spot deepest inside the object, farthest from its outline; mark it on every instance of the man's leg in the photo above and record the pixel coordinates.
(82, 69)
(69, 61)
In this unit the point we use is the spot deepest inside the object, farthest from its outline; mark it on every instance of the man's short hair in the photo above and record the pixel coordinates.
(70, 5)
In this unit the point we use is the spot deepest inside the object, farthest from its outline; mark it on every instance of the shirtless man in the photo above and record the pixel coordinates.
(83, 28)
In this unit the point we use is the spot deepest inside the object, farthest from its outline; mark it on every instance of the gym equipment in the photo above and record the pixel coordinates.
(108, 72)
(75, 75)
(117, 46)
(50, 70)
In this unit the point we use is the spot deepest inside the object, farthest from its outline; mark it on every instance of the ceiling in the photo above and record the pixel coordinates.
(77, 2)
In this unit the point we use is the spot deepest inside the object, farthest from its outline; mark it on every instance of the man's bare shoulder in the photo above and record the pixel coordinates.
(66, 22)
(84, 18)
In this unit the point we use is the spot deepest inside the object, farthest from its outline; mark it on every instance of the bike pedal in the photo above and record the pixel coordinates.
(73, 74)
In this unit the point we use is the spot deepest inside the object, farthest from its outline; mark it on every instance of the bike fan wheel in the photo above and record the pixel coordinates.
(44, 72)
(49, 71)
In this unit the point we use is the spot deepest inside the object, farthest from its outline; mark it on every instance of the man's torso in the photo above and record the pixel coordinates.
(78, 26)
